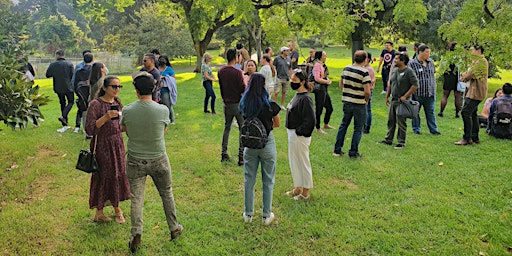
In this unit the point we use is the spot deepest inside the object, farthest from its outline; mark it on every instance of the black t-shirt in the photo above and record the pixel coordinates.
(267, 114)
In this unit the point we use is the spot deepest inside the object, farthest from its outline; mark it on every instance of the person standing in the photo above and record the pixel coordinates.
(355, 84)
(423, 67)
(310, 61)
(269, 74)
(322, 98)
(450, 79)
(109, 186)
(168, 91)
(145, 123)
(232, 87)
(149, 63)
(283, 65)
(403, 84)
(81, 78)
(386, 57)
(294, 55)
(300, 123)
(255, 103)
(475, 93)
(79, 65)
(207, 78)
(61, 71)
(368, 66)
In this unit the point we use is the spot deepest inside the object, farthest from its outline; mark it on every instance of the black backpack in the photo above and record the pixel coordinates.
(253, 133)
(502, 119)
(82, 91)
(81, 75)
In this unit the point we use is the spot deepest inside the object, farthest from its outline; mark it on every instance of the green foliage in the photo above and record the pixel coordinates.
(58, 32)
(474, 26)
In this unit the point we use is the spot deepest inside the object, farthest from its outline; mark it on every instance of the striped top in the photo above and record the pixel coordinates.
(354, 79)
(426, 77)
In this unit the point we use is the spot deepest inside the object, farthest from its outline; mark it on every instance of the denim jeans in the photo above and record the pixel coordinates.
(429, 105)
(393, 121)
(252, 158)
(166, 100)
(210, 93)
(65, 108)
(358, 112)
(470, 119)
(231, 111)
(368, 122)
(385, 78)
(160, 171)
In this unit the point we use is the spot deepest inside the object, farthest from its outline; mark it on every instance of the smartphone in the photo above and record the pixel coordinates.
(114, 107)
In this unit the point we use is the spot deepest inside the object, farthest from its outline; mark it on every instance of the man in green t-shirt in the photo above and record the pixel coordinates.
(403, 84)
(145, 123)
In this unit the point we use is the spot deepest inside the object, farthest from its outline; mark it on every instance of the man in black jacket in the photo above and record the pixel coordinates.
(62, 71)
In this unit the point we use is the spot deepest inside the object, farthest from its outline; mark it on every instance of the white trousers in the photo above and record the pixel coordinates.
(298, 155)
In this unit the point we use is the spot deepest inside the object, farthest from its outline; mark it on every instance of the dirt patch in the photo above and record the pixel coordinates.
(40, 187)
(345, 183)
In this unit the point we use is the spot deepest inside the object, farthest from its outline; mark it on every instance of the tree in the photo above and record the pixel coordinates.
(18, 99)
(57, 32)
(486, 23)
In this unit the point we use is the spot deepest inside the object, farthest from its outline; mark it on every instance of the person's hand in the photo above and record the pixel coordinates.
(378, 69)
(329, 82)
(387, 101)
(403, 98)
(112, 114)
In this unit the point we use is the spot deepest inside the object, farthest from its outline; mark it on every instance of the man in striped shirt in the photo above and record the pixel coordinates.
(355, 84)
(424, 68)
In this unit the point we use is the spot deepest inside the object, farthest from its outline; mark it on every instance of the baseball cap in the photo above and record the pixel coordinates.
(284, 48)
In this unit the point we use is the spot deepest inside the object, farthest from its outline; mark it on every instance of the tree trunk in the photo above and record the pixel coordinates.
(200, 47)
(357, 40)
(255, 32)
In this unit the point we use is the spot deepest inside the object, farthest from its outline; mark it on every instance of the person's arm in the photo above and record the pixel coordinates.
(409, 93)
(49, 71)
(341, 83)
(317, 73)
(276, 121)
(381, 59)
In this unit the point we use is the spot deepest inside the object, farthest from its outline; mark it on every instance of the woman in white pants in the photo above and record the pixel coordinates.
(300, 123)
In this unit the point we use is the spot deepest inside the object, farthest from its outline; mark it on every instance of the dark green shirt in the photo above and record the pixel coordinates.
(401, 82)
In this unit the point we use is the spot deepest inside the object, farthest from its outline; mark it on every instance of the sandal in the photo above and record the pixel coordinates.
(300, 197)
(292, 193)
(120, 218)
(101, 218)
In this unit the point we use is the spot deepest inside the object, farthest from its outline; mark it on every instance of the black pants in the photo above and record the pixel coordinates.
(470, 119)
(66, 107)
(322, 100)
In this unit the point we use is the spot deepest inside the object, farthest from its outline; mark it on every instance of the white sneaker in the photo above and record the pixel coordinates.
(269, 219)
(383, 92)
(283, 108)
(247, 218)
(63, 129)
(77, 130)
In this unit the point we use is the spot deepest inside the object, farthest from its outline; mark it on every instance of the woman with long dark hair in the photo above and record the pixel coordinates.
(322, 98)
(167, 95)
(255, 103)
(98, 71)
(109, 185)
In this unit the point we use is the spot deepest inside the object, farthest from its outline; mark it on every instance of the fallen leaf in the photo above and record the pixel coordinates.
(64, 155)
(440, 163)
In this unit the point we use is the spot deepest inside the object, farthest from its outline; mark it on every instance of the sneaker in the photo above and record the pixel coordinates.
(176, 233)
(76, 130)
(356, 155)
(269, 219)
(134, 244)
(283, 108)
(224, 157)
(63, 121)
(440, 114)
(417, 132)
(385, 142)
(248, 218)
(400, 146)
(63, 129)
(383, 92)
(435, 133)
(338, 154)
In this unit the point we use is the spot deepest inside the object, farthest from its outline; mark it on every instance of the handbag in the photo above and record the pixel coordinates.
(408, 109)
(461, 86)
(87, 160)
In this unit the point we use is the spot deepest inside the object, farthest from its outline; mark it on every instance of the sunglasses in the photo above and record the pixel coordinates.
(115, 87)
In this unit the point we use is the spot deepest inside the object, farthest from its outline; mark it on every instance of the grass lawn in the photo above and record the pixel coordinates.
(431, 198)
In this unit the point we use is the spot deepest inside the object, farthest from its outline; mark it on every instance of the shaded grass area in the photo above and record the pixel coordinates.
(431, 198)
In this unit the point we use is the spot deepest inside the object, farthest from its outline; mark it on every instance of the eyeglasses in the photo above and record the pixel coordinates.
(115, 87)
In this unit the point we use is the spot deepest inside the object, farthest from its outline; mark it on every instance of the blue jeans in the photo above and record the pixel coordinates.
(368, 122)
(160, 171)
(231, 111)
(358, 112)
(166, 100)
(210, 93)
(385, 78)
(429, 104)
(252, 158)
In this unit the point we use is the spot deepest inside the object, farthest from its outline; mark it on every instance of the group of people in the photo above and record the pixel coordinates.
(122, 175)
(248, 94)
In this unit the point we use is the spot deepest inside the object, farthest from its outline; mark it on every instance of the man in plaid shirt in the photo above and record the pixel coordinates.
(424, 68)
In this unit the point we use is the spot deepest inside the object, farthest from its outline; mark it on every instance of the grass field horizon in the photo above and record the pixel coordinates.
(431, 198)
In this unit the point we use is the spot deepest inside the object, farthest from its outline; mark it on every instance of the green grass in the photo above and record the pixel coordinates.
(388, 203)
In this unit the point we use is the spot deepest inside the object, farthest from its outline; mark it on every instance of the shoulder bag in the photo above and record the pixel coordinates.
(87, 159)
(408, 109)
